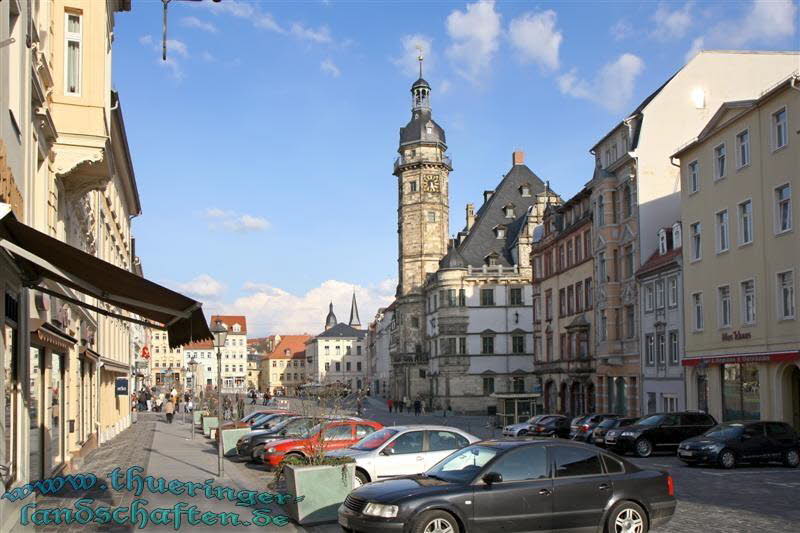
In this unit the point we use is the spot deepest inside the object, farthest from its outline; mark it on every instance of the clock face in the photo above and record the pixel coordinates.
(430, 183)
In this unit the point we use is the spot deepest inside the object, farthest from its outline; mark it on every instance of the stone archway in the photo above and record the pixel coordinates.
(577, 404)
(562, 398)
(550, 397)
(790, 387)
(591, 405)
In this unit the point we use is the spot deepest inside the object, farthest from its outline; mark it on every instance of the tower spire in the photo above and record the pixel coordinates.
(420, 58)
(355, 321)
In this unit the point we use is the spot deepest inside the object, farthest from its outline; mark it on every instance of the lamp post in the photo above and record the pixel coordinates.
(220, 333)
(193, 370)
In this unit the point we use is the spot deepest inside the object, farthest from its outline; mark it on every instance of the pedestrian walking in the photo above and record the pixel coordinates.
(407, 402)
(390, 403)
(149, 400)
(169, 410)
(190, 406)
(266, 398)
(240, 409)
(423, 408)
(252, 397)
(359, 406)
(417, 407)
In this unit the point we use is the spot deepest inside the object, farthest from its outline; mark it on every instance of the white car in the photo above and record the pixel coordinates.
(403, 450)
(523, 428)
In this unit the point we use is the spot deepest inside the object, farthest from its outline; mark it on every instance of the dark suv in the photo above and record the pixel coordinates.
(661, 431)
(607, 426)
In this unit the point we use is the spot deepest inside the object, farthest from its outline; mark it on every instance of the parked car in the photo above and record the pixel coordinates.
(248, 446)
(523, 428)
(516, 485)
(331, 434)
(732, 443)
(583, 428)
(264, 420)
(609, 425)
(659, 432)
(551, 426)
(403, 450)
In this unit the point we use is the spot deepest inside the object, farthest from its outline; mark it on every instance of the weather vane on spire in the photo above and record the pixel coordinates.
(420, 58)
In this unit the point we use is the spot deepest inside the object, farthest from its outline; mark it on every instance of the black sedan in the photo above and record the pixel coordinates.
(516, 485)
(606, 426)
(551, 426)
(583, 428)
(731, 443)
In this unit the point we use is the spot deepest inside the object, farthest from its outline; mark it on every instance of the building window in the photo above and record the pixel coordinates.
(649, 297)
(722, 231)
(73, 48)
(779, 129)
(603, 325)
(412, 186)
(570, 299)
(578, 249)
(694, 177)
(630, 322)
(627, 200)
(697, 311)
(724, 306)
(487, 296)
(601, 265)
(500, 232)
(548, 341)
(719, 162)
(783, 208)
(587, 289)
(740, 392)
(537, 311)
(563, 347)
(338, 366)
(661, 349)
(748, 302)
(673, 347)
(348, 350)
(518, 384)
(743, 149)
(515, 296)
(491, 260)
(348, 366)
(462, 346)
(561, 258)
(431, 216)
(525, 190)
(600, 211)
(579, 297)
(786, 295)
(358, 350)
(629, 261)
(649, 347)
(548, 305)
(745, 222)
(509, 211)
(587, 244)
(487, 345)
(462, 298)
(696, 231)
(672, 283)
(358, 366)
(660, 294)
(570, 254)
(518, 344)
(562, 303)
(488, 386)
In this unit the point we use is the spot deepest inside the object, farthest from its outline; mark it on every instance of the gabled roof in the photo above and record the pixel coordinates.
(230, 320)
(296, 344)
(481, 240)
(343, 330)
(721, 112)
(658, 261)
(202, 345)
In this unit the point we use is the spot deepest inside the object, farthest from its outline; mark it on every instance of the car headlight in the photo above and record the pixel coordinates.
(380, 510)
(708, 447)
(271, 450)
(628, 433)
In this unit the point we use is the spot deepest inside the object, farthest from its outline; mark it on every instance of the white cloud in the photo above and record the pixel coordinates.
(194, 22)
(232, 221)
(174, 48)
(536, 38)
(445, 86)
(765, 21)
(271, 310)
(179, 47)
(330, 67)
(203, 286)
(475, 34)
(671, 24)
(621, 30)
(208, 56)
(612, 87)
(320, 36)
(258, 18)
(697, 46)
(408, 61)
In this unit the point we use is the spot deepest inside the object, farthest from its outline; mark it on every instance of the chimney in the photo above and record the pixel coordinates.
(487, 195)
(470, 216)
(518, 157)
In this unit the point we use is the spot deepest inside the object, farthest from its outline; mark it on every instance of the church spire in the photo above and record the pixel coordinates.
(330, 320)
(355, 321)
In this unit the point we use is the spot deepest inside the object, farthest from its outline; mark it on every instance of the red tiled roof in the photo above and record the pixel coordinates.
(230, 320)
(202, 345)
(296, 344)
(658, 261)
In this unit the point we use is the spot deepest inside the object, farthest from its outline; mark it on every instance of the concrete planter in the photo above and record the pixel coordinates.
(323, 488)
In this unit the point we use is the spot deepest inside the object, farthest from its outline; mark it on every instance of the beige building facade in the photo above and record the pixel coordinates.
(741, 258)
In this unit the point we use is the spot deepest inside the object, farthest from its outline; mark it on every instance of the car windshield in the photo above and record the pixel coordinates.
(545, 419)
(372, 441)
(725, 431)
(463, 465)
(295, 426)
(651, 420)
(251, 416)
(534, 419)
(608, 423)
(577, 420)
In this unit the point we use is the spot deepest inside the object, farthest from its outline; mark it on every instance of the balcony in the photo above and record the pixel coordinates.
(404, 161)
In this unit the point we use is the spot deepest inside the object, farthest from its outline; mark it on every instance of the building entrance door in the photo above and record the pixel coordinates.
(794, 396)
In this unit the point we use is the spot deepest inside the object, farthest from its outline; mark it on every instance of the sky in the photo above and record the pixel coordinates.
(263, 147)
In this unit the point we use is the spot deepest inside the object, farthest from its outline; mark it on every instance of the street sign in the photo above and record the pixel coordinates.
(121, 387)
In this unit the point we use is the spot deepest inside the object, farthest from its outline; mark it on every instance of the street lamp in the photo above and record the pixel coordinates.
(193, 370)
(220, 333)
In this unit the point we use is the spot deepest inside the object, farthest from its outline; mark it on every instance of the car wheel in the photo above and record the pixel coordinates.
(436, 522)
(791, 458)
(627, 517)
(522, 432)
(253, 458)
(727, 459)
(360, 479)
(643, 448)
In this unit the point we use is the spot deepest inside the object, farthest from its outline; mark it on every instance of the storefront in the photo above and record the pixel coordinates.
(746, 386)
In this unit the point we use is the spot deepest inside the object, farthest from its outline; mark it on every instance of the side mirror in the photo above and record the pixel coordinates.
(389, 450)
(492, 477)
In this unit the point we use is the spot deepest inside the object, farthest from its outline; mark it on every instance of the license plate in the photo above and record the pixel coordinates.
(685, 453)
(343, 522)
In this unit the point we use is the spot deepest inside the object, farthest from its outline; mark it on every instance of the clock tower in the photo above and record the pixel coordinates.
(422, 170)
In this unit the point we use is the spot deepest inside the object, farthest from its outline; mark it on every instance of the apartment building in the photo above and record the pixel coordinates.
(338, 354)
(285, 368)
(739, 183)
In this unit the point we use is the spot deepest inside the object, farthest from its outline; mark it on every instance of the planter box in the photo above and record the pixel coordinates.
(324, 488)
(209, 422)
(197, 416)
(229, 439)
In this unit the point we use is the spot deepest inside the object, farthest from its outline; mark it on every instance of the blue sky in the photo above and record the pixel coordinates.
(263, 147)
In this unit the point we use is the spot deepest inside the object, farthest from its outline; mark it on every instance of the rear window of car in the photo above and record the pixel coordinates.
(613, 466)
(608, 423)
(778, 430)
(445, 440)
(573, 461)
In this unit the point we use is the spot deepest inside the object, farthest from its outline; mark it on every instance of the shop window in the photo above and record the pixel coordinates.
(740, 392)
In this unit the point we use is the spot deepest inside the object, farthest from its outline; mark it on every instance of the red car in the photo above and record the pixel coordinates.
(334, 434)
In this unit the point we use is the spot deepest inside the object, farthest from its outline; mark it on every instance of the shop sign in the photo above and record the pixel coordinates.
(121, 387)
(735, 336)
(774, 357)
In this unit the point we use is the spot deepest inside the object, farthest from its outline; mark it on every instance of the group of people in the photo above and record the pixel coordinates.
(254, 397)
(157, 402)
(399, 405)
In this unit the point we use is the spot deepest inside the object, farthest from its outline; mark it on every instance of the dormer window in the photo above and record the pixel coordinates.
(287, 351)
(491, 259)
(525, 190)
(237, 328)
(662, 241)
(676, 235)
(508, 210)
(500, 232)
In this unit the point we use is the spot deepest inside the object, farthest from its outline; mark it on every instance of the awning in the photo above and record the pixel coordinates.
(41, 256)
(45, 333)
(111, 365)
(758, 357)
(90, 354)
